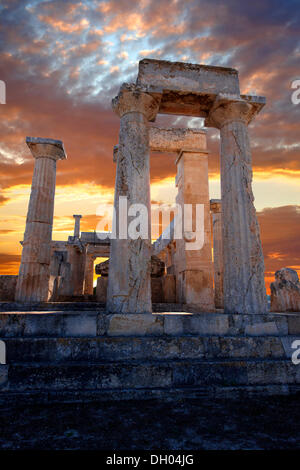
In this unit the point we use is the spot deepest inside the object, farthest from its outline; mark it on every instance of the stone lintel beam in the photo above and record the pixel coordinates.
(176, 140)
(98, 251)
(185, 77)
(229, 107)
(47, 148)
(186, 89)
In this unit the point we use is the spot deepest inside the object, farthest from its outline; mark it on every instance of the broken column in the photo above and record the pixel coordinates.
(215, 208)
(244, 286)
(129, 288)
(194, 267)
(33, 280)
(285, 291)
(77, 225)
(88, 273)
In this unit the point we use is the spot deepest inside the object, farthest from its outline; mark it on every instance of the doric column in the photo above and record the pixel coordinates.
(77, 225)
(194, 267)
(88, 274)
(244, 286)
(215, 208)
(129, 287)
(33, 280)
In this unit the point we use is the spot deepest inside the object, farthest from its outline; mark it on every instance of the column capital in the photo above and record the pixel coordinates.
(133, 99)
(216, 206)
(77, 216)
(227, 108)
(46, 148)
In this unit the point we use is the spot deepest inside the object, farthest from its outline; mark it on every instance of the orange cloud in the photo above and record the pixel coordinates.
(63, 26)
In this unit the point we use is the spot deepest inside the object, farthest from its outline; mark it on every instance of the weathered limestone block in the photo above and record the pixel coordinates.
(129, 288)
(34, 274)
(157, 267)
(285, 291)
(176, 139)
(101, 289)
(102, 268)
(156, 290)
(8, 284)
(187, 77)
(244, 286)
(169, 288)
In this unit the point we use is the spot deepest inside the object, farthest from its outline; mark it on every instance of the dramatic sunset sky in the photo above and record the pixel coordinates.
(63, 62)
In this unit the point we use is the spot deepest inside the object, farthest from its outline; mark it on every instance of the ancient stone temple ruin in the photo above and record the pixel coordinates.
(200, 91)
(181, 314)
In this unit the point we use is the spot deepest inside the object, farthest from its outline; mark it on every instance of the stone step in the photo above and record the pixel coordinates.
(111, 349)
(50, 306)
(147, 375)
(75, 306)
(32, 397)
(92, 323)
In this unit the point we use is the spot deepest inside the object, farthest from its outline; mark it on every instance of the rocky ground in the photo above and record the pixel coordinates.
(260, 423)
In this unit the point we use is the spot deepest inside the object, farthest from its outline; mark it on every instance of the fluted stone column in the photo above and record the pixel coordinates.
(88, 275)
(216, 207)
(34, 273)
(77, 225)
(244, 286)
(129, 286)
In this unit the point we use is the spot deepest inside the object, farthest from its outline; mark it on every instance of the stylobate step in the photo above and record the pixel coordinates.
(148, 374)
(94, 323)
(112, 349)
(167, 394)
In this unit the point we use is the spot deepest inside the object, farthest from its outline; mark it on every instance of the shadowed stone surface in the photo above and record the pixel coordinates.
(8, 285)
(194, 424)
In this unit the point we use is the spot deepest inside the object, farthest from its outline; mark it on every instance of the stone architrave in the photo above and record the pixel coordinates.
(244, 285)
(285, 291)
(33, 280)
(216, 212)
(77, 218)
(129, 287)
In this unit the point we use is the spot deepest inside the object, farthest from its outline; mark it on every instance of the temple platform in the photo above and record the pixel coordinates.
(89, 355)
